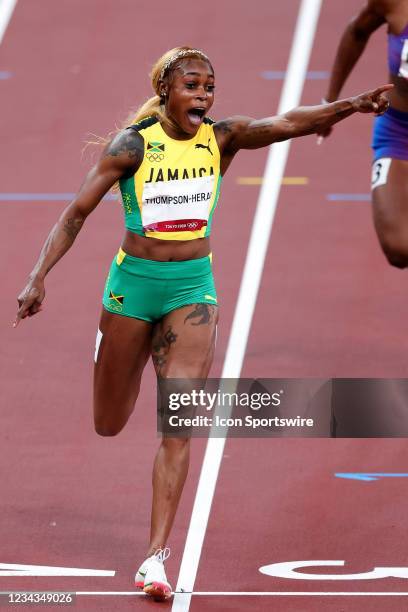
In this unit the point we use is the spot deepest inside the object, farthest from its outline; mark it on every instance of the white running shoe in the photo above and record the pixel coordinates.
(141, 573)
(151, 576)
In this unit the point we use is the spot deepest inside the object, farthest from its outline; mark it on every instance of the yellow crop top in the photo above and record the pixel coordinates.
(173, 194)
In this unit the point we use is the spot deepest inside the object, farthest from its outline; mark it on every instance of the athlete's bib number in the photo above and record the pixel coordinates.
(380, 172)
(180, 205)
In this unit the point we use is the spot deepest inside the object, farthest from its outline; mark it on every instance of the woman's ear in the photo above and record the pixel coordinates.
(162, 91)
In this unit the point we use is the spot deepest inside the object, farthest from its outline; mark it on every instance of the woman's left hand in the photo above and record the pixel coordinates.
(372, 101)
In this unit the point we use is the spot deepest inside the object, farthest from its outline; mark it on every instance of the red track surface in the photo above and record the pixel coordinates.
(328, 306)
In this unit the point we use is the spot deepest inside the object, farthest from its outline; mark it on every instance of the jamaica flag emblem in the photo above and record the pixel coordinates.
(155, 151)
(116, 301)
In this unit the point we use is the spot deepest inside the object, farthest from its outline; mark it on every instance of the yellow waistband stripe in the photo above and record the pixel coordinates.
(120, 256)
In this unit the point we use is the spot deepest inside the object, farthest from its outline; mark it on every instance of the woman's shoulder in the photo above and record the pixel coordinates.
(143, 124)
(127, 145)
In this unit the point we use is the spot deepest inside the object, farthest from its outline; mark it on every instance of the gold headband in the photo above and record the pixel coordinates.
(178, 55)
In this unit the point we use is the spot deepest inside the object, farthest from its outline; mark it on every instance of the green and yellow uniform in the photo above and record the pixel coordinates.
(172, 196)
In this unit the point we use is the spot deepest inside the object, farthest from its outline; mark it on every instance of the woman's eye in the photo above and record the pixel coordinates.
(193, 85)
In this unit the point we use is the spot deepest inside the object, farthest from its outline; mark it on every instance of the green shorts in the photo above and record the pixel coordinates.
(148, 290)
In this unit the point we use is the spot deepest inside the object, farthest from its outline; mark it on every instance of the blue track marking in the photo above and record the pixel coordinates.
(278, 75)
(348, 197)
(5, 74)
(368, 476)
(45, 197)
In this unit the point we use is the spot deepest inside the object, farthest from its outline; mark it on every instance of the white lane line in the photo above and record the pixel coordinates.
(16, 569)
(255, 593)
(260, 234)
(237, 593)
(300, 593)
(6, 11)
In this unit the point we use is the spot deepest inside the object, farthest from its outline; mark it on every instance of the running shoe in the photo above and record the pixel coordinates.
(151, 576)
(141, 573)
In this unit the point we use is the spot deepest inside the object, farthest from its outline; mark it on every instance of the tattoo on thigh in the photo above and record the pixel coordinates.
(162, 342)
(202, 314)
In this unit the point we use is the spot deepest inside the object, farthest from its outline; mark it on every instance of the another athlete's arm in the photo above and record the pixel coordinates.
(352, 45)
(121, 157)
(246, 133)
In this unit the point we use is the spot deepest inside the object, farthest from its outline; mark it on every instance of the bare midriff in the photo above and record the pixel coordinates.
(165, 250)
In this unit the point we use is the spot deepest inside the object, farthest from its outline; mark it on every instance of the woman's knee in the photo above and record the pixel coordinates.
(396, 252)
(397, 260)
(106, 431)
(111, 413)
(107, 428)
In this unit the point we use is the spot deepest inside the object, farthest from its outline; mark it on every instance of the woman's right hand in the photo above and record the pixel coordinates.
(121, 157)
(30, 300)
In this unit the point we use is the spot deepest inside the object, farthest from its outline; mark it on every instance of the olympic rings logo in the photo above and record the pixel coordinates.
(155, 157)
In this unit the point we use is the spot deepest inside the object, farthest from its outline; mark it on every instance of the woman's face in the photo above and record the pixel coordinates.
(189, 95)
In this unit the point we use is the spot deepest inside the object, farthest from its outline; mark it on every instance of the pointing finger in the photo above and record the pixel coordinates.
(23, 310)
(17, 320)
(383, 88)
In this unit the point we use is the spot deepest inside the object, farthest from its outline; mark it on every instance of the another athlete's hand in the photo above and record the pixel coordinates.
(372, 101)
(30, 300)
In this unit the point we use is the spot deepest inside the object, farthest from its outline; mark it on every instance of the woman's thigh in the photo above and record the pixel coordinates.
(120, 357)
(184, 341)
(390, 206)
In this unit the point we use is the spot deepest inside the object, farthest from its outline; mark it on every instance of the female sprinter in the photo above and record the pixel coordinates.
(390, 139)
(159, 297)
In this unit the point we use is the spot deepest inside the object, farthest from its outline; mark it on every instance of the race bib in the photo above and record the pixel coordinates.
(380, 172)
(179, 205)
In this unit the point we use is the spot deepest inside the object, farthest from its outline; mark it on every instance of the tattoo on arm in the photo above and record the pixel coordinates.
(224, 126)
(342, 109)
(202, 314)
(72, 227)
(127, 142)
(224, 134)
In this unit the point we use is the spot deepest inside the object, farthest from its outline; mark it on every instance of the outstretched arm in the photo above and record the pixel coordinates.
(246, 133)
(121, 157)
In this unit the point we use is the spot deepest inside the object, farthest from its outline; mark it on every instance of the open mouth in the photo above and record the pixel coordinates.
(196, 115)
